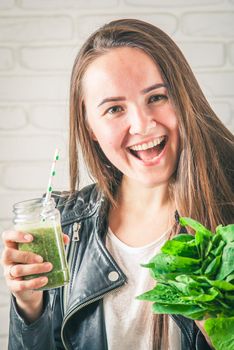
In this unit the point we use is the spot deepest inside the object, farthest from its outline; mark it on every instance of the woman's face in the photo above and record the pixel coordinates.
(131, 115)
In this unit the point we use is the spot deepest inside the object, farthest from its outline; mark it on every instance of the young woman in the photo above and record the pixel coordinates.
(156, 150)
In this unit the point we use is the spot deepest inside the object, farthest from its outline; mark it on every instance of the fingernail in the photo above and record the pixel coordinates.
(28, 238)
(44, 280)
(48, 265)
(39, 258)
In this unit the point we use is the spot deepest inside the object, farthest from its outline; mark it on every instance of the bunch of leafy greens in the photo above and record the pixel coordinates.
(195, 278)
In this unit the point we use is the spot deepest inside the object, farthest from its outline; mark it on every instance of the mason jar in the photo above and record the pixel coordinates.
(42, 220)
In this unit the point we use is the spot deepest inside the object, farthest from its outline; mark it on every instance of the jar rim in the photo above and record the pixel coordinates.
(35, 202)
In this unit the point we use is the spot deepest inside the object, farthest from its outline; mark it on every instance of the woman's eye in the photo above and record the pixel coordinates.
(157, 98)
(114, 109)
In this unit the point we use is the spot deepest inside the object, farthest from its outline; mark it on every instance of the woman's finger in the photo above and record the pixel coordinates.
(66, 238)
(20, 270)
(11, 238)
(12, 256)
(19, 285)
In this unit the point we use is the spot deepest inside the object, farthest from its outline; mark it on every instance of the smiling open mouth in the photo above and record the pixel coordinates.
(150, 150)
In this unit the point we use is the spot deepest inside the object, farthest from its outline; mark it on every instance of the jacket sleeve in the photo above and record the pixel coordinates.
(42, 334)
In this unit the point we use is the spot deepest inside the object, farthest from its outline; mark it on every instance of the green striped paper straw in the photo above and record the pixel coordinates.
(52, 174)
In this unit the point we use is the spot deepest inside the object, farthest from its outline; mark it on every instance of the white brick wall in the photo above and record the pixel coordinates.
(12, 118)
(213, 53)
(38, 42)
(214, 24)
(34, 87)
(63, 4)
(6, 4)
(35, 28)
(39, 58)
(87, 24)
(6, 58)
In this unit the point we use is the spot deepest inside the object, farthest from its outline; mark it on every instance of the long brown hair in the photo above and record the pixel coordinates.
(203, 181)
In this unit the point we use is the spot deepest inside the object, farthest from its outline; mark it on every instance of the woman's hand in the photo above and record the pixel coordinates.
(200, 325)
(16, 265)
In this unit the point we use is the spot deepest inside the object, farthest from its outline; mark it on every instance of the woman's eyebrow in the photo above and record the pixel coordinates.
(153, 87)
(122, 98)
(112, 99)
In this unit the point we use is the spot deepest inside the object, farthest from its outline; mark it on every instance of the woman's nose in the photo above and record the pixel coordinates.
(141, 124)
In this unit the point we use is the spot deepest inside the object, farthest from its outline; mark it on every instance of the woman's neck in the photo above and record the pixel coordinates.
(142, 214)
(134, 197)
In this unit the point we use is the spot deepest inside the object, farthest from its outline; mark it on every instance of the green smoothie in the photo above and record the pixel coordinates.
(49, 244)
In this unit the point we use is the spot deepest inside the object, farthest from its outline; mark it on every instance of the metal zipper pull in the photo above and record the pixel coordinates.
(76, 229)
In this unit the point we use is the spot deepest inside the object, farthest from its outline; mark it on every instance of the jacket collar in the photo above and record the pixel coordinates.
(80, 204)
(95, 273)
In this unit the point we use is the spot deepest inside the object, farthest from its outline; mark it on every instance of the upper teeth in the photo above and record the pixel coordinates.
(147, 145)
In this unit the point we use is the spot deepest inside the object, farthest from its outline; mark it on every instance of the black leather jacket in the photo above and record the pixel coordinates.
(73, 316)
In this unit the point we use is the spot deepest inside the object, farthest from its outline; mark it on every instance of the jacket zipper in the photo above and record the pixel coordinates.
(75, 238)
(76, 229)
(72, 312)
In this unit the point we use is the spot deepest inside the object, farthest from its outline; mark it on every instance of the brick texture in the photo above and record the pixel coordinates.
(224, 111)
(64, 4)
(34, 88)
(33, 176)
(8, 199)
(231, 53)
(87, 24)
(173, 3)
(217, 83)
(50, 117)
(6, 4)
(27, 29)
(6, 59)
(12, 118)
(204, 24)
(48, 58)
(39, 40)
(204, 54)
(29, 148)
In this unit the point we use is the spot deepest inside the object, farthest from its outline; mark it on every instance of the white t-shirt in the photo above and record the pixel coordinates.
(129, 322)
